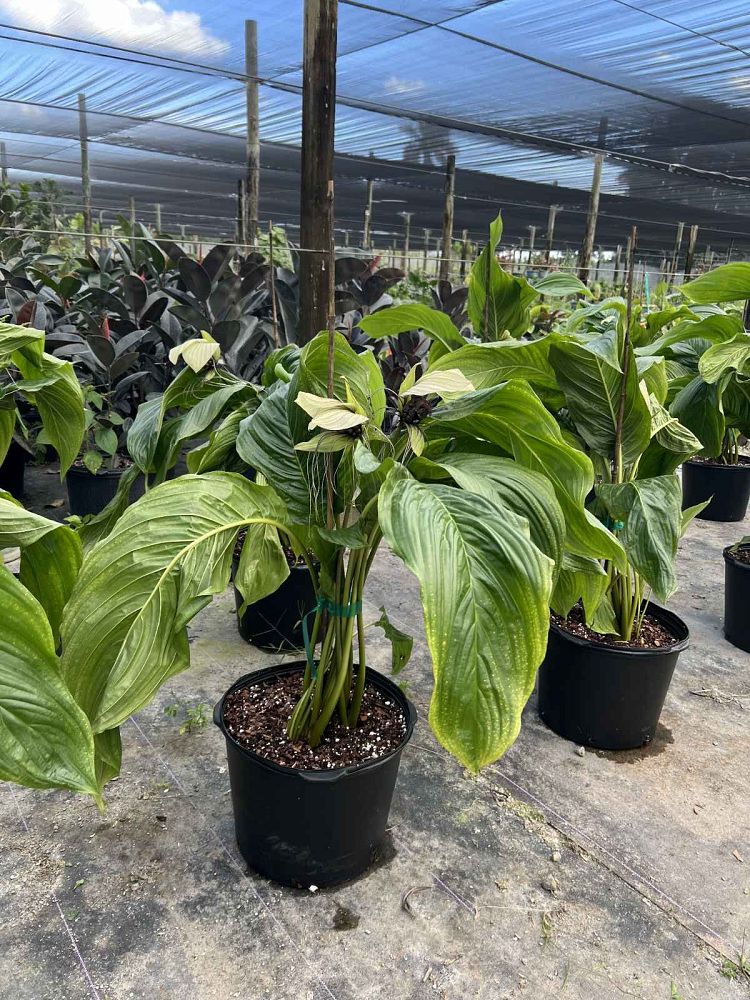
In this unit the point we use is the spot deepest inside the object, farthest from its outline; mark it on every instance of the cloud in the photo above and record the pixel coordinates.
(398, 85)
(130, 23)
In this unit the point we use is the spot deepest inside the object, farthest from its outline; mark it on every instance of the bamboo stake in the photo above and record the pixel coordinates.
(272, 274)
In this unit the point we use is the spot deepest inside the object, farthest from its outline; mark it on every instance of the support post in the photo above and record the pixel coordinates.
(367, 235)
(158, 217)
(427, 234)
(241, 236)
(551, 219)
(532, 241)
(616, 266)
(690, 254)
(676, 252)
(584, 260)
(450, 189)
(83, 134)
(407, 234)
(316, 195)
(464, 252)
(252, 152)
(3, 163)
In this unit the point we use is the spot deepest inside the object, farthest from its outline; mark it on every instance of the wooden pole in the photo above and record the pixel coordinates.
(464, 252)
(690, 254)
(158, 217)
(584, 259)
(616, 266)
(551, 219)
(132, 228)
(407, 233)
(83, 134)
(252, 149)
(532, 241)
(367, 236)
(241, 236)
(730, 248)
(427, 234)
(676, 251)
(272, 286)
(3, 163)
(450, 189)
(598, 263)
(316, 201)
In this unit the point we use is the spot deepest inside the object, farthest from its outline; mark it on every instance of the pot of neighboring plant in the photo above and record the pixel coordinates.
(737, 594)
(274, 623)
(601, 692)
(90, 492)
(311, 817)
(727, 486)
(13, 468)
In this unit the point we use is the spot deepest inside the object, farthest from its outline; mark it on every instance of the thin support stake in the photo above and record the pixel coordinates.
(85, 171)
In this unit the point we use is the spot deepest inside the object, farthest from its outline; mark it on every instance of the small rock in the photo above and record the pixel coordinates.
(313, 888)
(555, 856)
(550, 884)
(581, 751)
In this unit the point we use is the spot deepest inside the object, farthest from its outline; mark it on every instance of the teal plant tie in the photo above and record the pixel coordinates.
(614, 525)
(338, 611)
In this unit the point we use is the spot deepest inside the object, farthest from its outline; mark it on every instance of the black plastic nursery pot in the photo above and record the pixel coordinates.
(304, 828)
(737, 599)
(90, 494)
(275, 622)
(604, 696)
(12, 470)
(727, 485)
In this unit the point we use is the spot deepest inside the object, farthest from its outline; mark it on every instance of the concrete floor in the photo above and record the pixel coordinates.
(551, 875)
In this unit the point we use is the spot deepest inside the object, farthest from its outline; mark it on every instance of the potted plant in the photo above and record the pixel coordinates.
(43, 384)
(458, 490)
(737, 593)
(711, 394)
(612, 650)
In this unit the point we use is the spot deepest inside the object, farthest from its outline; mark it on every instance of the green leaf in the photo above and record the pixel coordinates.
(727, 283)
(715, 329)
(698, 407)
(351, 537)
(512, 417)
(444, 383)
(579, 579)
(580, 317)
(498, 303)
(360, 372)
(401, 643)
(485, 590)
(14, 338)
(719, 359)
(124, 628)
(413, 316)
(219, 452)
(45, 738)
(651, 510)
(487, 365)
(265, 442)
(263, 564)
(671, 444)
(592, 387)
(94, 527)
(7, 425)
(106, 439)
(528, 494)
(559, 285)
(59, 401)
(50, 557)
(92, 460)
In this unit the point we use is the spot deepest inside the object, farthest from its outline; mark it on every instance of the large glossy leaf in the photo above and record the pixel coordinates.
(731, 356)
(671, 443)
(698, 407)
(715, 329)
(413, 316)
(13, 338)
(50, 557)
(512, 417)
(263, 565)
(58, 399)
(360, 372)
(486, 365)
(265, 442)
(528, 494)
(592, 385)
(727, 283)
(579, 579)
(124, 628)
(485, 590)
(651, 512)
(558, 284)
(45, 738)
(7, 425)
(498, 303)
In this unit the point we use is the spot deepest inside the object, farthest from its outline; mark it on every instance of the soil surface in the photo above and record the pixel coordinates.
(256, 716)
(653, 634)
(741, 555)
(121, 464)
(744, 460)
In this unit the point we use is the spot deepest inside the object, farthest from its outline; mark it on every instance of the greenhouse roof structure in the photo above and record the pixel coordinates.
(522, 92)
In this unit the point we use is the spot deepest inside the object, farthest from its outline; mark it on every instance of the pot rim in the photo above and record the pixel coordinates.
(730, 558)
(664, 615)
(328, 774)
(709, 464)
